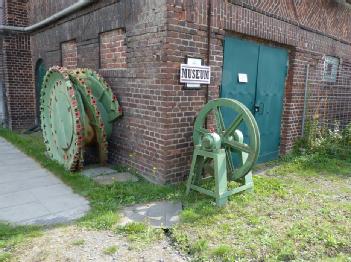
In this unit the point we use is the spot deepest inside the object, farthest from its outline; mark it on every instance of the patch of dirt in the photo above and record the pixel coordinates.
(73, 244)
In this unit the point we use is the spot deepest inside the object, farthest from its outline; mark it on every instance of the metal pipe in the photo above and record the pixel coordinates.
(305, 100)
(209, 24)
(65, 12)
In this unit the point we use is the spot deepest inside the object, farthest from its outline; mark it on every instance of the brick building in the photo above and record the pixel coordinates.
(138, 46)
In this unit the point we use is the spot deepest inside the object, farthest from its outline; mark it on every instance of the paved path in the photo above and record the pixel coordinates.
(30, 194)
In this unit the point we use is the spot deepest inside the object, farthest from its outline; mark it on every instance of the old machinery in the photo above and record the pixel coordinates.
(215, 147)
(77, 110)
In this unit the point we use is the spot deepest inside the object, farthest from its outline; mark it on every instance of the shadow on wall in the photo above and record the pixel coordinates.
(40, 72)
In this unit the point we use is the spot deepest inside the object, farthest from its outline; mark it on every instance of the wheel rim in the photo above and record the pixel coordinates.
(61, 120)
(228, 134)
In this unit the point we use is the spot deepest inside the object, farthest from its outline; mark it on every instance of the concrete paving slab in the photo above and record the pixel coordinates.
(23, 212)
(163, 214)
(50, 191)
(16, 198)
(56, 218)
(62, 203)
(108, 176)
(20, 175)
(25, 184)
(30, 194)
(115, 177)
(97, 171)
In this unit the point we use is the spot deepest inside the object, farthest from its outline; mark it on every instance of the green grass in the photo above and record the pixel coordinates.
(110, 250)
(78, 242)
(140, 234)
(11, 236)
(4, 257)
(300, 210)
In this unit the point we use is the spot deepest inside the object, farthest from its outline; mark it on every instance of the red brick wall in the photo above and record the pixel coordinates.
(113, 49)
(325, 16)
(155, 134)
(307, 30)
(16, 12)
(41, 9)
(18, 74)
(69, 54)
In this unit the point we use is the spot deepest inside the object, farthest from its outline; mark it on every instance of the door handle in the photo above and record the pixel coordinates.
(259, 108)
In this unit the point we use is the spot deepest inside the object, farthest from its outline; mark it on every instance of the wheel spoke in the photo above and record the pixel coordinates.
(239, 146)
(230, 165)
(219, 120)
(202, 130)
(234, 125)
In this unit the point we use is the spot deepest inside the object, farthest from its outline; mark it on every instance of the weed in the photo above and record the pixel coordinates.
(140, 232)
(223, 252)
(110, 250)
(199, 246)
(79, 242)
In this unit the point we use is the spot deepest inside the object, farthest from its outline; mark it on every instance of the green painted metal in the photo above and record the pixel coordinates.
(272, 66)
(217, 145)
(266, 68)
(77, 109)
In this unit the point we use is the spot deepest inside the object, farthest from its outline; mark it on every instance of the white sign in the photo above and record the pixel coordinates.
(195, 62)
(242, 78)
(195, 74)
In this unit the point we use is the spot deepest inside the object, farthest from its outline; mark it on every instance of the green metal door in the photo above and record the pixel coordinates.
(40, 72)
(260, 87)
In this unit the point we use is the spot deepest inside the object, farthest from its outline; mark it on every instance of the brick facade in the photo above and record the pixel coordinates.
(113, 49)
(17, 65)
(307, 29)
(138, 46)
(69, 54)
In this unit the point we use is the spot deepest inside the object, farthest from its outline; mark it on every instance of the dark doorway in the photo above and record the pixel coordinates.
(40, 72)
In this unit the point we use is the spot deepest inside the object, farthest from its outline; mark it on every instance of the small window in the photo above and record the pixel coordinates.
(331, 65)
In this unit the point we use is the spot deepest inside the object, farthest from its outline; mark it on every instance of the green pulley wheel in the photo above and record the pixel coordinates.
(98, 101)
(62, 118)
(78, 110)
(104, 99)
(228, 135)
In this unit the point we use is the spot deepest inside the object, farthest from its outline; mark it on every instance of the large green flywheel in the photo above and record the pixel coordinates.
(77, 110)
(216, 145)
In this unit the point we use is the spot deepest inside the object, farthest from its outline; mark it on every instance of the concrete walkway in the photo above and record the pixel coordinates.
(30, 194)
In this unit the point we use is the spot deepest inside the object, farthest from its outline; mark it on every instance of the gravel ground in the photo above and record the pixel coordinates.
(72, 243)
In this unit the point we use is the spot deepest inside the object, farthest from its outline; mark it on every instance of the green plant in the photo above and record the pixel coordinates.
(79, 242)
(110, 250)
(222, 252)
(5, 257)
(328, 141)
(140, 232)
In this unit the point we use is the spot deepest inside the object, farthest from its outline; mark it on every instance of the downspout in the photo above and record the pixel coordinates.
(305, 100)
(65, 12)
(47, 21)
(209, 24)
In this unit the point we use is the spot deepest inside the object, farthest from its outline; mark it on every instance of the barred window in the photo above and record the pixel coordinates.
(331, 66)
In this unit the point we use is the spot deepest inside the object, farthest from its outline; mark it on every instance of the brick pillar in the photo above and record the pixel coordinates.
(18, 73)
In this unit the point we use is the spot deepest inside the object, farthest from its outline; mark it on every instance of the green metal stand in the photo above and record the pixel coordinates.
(221, 192)
(216, 146)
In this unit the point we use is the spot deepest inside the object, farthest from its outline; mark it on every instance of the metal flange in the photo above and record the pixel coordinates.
(77, 109)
